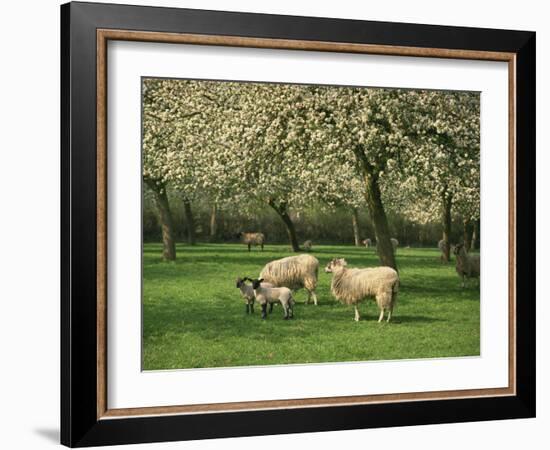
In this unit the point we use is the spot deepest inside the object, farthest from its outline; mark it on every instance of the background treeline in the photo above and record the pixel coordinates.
(322, 226)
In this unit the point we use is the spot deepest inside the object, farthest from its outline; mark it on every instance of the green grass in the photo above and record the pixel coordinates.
(193, 315)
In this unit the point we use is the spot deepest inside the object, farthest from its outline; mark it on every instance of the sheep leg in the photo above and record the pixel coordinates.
(262, 247)
(247, 308)
(310, 294)
(285, 309)
(356, 314)
(248, 247)
(252, 308)
(270, 308)
(264, 311)
(463, 281)
(381, 317)
(389, 314)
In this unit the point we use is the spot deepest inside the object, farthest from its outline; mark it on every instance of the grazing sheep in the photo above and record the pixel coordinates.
(367, 242)
(350, 286)
(467, 266)
(307, 245)
(293, 272)
(271, 295)
(247, 292)
(253, 239)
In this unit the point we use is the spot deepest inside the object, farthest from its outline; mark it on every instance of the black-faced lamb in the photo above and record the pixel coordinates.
(270, 295)
(467, 266)
(293, 272)
(251, 239)
(247, 293)
(351, 286)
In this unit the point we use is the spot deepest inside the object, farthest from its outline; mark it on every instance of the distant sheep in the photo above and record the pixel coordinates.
(307, 245)
(351, 286)
(293, 272)
(467, 266)
(251, 239)
(247, 292)
(270, 295)
(367, 242)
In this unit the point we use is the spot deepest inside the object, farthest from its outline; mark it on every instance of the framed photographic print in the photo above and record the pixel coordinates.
(277, 224)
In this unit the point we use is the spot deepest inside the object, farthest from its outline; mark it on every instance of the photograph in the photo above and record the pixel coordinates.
(304, 223)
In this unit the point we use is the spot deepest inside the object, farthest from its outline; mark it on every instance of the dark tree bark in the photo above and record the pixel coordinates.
(191, 238)
(468, 235)
(447, 201)
(379, 220)
(355, 223)
(214, 222)
(282, 210)
(475, 235)
(165, 215)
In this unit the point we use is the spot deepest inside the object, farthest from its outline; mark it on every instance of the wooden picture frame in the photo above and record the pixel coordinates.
(85, 416)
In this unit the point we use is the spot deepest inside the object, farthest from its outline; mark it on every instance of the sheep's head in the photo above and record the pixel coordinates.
(256, 283)
(334, 264)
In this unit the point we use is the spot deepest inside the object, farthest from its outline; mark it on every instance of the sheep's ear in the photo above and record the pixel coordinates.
(260, 280)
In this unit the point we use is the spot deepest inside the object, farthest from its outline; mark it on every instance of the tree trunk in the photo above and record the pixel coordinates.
(380, 221)
(447, 225)
(214, 222)
(468, 235)
(281, 210)
(356, 232)
(161, 200)
(475, 234)
(191, 239)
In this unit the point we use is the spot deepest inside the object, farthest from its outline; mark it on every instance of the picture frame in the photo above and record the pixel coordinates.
(86, 419)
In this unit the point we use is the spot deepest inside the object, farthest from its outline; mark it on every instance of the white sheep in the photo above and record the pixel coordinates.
(247, 293)
(367, 242)
(253, 239)
(293, 272)
(308, 245)
(270, 295)
(351, 286)
(467, 266)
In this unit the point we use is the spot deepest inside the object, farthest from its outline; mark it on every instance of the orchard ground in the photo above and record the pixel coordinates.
(194, 316)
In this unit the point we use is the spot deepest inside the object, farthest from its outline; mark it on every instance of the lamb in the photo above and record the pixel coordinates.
(293, 272)
(367, 242)
(466, 265)
(350, 286)
(271, 295)
(247, 292)
(307, 245)
(253, 239)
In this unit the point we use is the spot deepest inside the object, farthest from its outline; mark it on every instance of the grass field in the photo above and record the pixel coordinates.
(193, 315)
